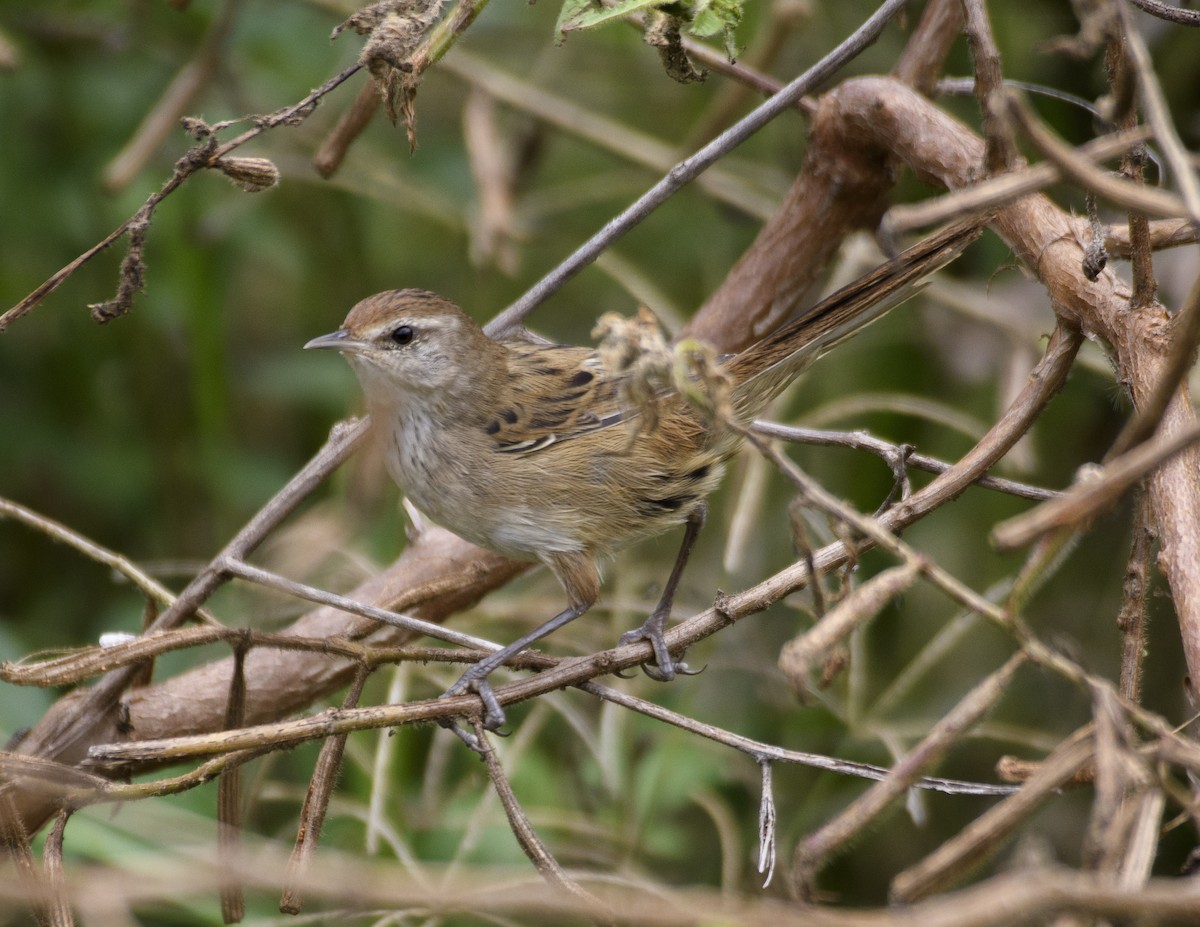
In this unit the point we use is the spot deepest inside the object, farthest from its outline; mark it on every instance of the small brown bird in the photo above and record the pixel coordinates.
(529, 449)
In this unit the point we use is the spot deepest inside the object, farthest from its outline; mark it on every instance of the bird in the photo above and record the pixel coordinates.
(535, 450)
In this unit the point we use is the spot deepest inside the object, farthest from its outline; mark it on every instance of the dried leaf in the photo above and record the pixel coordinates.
(133, 274)
(662, 32)
(395, 29)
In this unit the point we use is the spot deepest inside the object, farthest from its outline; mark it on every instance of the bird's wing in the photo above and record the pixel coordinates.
(553, 394)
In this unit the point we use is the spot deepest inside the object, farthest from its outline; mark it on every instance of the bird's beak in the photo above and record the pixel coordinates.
(340, 340)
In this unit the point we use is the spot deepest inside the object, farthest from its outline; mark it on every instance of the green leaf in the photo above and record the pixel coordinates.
(587, 14)
(710, 17)
(702, 18)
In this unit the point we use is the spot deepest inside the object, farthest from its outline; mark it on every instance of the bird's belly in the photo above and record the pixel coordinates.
(514, 531)
(525, 507)
(494, 510)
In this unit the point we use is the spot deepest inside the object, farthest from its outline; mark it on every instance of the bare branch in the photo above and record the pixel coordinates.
(522, 829)
(202, 156)
(860, 440)
(1170, 13)
(1158, 115)
(1096, 491)
(983, 837)
(316, 803)
(691, 167)
(989, 88)
(1132, 618)
(816, 849)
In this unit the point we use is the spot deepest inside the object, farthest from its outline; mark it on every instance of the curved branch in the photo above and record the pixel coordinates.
(1171, 14)
(881, 113)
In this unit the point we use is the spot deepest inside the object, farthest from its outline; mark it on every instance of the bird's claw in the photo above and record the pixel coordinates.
(493, 713)
(467, 737)
(678, 668)
(664, 668)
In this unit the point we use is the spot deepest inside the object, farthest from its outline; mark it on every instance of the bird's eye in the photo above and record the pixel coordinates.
(402, 334)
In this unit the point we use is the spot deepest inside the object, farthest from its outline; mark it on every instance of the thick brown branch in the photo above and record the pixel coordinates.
(876, 112)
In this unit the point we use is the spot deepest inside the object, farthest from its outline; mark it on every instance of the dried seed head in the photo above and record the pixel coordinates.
(635, 351)
(251, 174)
(196, 127)
(699, 376)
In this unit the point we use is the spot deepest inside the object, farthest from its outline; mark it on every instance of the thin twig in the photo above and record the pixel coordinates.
(759, 750)
(816, 849)
(690, 167)
(885, 450)
(59, 913)
(57, 531)
(1091, 495)
(798, 656)
(989, 82)
(924, 56)
(81, 665)
(1124, 779)
(332, 150)
(985, 835)
(1149, 200)
(1164, 233)
(184, 168)
(1170, 13)
(19, 849)
(75, 788)
(316, 803)
(1158, 115)
(518, 821)
(1125, 116)
(240, 568)
(229, 798)
(994, 192)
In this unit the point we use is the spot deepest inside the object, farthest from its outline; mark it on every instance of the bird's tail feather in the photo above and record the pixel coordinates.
(763, 370)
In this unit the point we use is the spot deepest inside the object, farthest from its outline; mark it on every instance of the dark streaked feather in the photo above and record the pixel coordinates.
(565, 392)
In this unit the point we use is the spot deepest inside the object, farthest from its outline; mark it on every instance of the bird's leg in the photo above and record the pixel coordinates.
(652, 631)
(475, 678)
(579, 576)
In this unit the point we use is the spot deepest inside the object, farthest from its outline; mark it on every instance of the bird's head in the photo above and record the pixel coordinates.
(415, 342)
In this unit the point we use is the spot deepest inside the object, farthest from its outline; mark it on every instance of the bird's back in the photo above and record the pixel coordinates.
(577, 469)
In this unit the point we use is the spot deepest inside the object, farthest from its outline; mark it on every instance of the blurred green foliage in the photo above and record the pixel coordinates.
(160, 433)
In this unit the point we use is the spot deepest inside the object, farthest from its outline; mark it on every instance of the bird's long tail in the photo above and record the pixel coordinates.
(763, 370)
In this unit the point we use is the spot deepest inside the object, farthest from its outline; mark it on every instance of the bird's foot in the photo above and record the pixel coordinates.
(493, 713)
(664, 668)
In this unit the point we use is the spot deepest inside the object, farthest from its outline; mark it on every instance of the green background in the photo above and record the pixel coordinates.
(160, 433)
